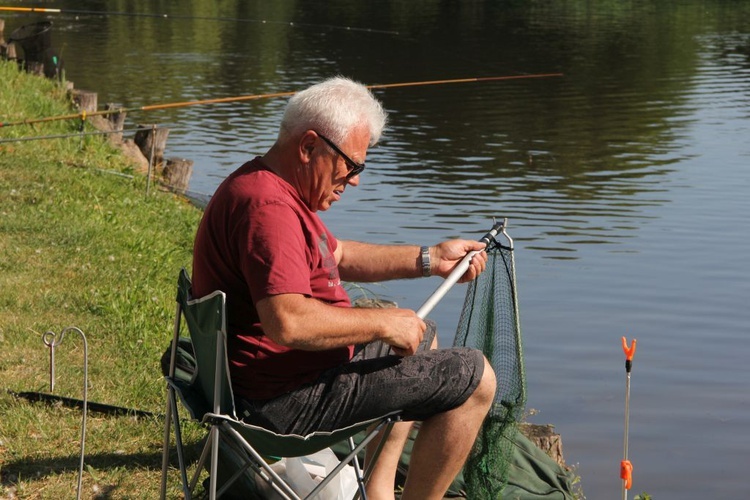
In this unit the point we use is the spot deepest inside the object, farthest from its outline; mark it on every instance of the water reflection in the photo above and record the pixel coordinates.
(580, 158)
(566, 159)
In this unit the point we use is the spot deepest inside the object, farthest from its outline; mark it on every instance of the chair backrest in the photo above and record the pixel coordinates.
(206, 322)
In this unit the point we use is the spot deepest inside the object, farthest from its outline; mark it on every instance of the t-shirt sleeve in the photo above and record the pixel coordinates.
(274, 256)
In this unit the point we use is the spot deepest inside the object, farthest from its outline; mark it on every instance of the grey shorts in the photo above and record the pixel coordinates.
(374, 383)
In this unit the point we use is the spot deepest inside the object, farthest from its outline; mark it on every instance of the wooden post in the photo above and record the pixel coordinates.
(545, 437)
(116, 121)
(85, 100)
(9, 51)
(35, 68)
(152, 138)
(176, 173)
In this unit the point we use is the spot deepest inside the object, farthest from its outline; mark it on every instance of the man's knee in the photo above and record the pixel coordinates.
(485, 391)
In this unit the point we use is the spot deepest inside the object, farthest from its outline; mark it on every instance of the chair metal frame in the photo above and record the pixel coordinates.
(249, 442)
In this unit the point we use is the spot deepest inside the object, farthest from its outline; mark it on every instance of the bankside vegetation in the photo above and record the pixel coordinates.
(81, 244)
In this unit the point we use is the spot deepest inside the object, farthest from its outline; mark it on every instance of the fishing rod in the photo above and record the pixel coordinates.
(83, 115)
(45, 10)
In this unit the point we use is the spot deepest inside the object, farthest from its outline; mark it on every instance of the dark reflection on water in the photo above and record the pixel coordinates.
(624, 181)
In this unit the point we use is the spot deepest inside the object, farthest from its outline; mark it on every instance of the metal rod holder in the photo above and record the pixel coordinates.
(52, 340)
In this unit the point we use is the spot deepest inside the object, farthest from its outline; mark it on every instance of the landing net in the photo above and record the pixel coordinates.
(490, 322)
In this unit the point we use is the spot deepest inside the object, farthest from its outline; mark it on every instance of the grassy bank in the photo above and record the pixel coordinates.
(81, 246)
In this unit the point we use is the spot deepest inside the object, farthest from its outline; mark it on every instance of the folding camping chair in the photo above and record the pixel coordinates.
(207, 396)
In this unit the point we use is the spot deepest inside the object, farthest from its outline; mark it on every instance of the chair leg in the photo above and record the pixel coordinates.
(272, 477)
(172, 418)
(214, 437)
(350, 457)
(178, 446)
(165, 447)
(199, 465)
(358, 472)
(239, 453)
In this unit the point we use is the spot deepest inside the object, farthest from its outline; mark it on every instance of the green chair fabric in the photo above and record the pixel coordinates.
(206, 393)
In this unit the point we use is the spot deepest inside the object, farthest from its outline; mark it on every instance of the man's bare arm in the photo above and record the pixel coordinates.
(366, 262)
(301, 322)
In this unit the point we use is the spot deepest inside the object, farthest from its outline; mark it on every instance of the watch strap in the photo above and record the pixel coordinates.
(425, 259)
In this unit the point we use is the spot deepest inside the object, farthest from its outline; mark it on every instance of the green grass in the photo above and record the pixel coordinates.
(81, 247)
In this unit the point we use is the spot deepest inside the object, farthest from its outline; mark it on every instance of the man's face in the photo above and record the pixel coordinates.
(329, 170)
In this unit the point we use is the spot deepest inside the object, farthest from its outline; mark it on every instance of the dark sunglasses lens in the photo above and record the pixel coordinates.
(355, 170)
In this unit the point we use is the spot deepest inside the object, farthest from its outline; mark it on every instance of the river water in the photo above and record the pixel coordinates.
(625, 182)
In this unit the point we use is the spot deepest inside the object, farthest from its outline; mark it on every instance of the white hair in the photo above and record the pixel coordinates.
(334, 107)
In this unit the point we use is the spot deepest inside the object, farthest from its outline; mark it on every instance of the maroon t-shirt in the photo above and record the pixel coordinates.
(257, 239)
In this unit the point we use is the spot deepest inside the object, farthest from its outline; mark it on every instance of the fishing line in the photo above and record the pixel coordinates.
(219, 100)
(45, 10)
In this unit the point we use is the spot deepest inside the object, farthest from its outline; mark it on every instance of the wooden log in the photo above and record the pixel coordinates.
(9, 51)
(5, 47)
(85, 100)
(545, 437)
(133, 153)
(177, 173)
(149, 135)
(116, 121)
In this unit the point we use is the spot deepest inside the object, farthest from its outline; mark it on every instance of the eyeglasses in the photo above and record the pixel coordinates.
(353, 168)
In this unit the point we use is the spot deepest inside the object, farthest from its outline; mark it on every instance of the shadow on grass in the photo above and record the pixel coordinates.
(25, 469)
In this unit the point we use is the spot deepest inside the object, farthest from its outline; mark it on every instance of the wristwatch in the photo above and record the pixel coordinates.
(425, 256)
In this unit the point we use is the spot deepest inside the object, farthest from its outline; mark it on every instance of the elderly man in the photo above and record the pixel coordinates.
(301, 358)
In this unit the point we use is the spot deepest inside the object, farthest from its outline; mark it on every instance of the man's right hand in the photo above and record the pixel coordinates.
(404, 331)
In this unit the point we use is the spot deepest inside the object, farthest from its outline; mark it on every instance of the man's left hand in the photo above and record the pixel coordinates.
(446, 255)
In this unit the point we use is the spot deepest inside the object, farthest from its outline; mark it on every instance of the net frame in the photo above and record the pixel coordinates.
(490, 322)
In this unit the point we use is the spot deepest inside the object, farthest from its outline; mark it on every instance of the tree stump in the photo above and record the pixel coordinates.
(85, 100)
(133, 153)
(545, 437)
(8, 51)
(116, 121)
(151, 137)
(176, 174)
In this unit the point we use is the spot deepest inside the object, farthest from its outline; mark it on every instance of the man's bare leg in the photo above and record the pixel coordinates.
(444, 442)
(381, 483)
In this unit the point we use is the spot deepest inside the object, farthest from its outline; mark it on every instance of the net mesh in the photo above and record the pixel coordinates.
(490, 322)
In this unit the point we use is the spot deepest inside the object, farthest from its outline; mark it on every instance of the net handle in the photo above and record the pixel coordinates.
(458, 271)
